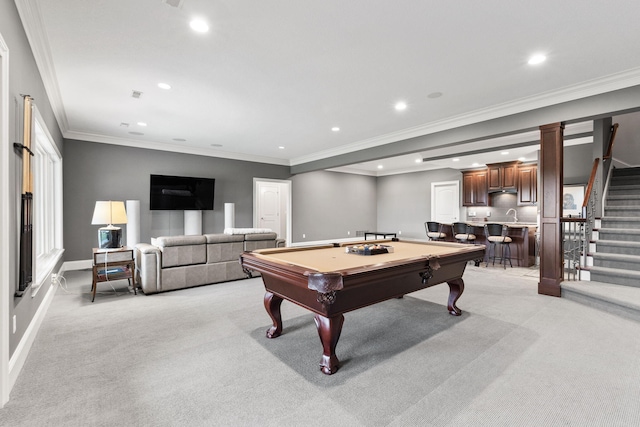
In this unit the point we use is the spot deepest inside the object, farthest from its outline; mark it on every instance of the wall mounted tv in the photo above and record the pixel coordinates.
(181, 193)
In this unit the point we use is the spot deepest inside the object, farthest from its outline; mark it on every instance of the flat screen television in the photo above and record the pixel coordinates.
(181, 193)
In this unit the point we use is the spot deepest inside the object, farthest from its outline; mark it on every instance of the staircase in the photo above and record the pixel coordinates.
(617, 249)
(613, 259)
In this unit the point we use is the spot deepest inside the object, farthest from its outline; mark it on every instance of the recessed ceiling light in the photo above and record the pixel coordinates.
(179, 139)
(281, 147)
(142, 124)
(537, 59)
(335, 129)
(434, 95)
(198, 25)
(522, 159)
(475, 164)
(124, 125)
(504, 153)
(216, 145)
(418, 160)
(456, 159)
(401, 106)
(136, 133)
(164, 86)
(380, 166)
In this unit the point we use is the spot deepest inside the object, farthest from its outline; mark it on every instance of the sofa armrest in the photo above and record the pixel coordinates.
(148, 271)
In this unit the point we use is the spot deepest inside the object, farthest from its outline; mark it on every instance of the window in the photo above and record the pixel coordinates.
(47, 201)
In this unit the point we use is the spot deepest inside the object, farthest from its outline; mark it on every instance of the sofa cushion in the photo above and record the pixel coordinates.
(221, 252)
(184, 277)
(182, 250)
(223, 238)
(165, 241)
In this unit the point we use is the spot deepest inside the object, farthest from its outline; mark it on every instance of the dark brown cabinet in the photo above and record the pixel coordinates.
(527, 185)
(503, 176)
(474, 188)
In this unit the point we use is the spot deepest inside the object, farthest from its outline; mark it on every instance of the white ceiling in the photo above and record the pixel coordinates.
(283, 73)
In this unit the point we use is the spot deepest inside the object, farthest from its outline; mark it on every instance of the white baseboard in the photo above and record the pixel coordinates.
(22, 350)
(82, 264)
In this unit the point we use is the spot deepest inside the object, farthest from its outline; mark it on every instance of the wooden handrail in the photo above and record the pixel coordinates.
(592, 179)
(612, 137)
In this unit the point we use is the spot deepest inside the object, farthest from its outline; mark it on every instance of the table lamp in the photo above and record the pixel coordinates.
(109, 213)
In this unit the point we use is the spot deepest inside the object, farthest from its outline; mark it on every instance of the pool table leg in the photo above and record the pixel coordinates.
(272, 303)
(329, 329)
(456, 287)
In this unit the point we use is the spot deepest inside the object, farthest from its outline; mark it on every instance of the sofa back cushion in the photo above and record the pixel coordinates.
(182, 250)
(223, 247)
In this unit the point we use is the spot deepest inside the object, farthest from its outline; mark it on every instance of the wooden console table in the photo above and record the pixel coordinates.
(113, 264)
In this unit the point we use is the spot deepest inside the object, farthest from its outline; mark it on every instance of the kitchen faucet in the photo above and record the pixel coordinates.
(515, 214)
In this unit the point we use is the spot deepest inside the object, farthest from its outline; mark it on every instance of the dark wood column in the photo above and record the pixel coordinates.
(550, 198)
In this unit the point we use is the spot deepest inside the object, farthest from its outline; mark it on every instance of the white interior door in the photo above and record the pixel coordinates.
(273, 206)
(269, 206)
(445, 201)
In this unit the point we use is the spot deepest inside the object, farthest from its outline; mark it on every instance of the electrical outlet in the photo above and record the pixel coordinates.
(399, 233)
(304, 236)
(488, 213)
(348, 233)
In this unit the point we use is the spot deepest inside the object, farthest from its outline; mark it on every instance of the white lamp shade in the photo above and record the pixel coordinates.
(109, 212)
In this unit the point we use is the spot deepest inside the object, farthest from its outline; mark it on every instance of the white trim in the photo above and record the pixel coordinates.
(22, 351)
(34, 28)
(5, 385)
(45, 270)
(175, 148)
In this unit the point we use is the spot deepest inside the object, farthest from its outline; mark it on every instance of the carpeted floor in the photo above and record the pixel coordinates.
(199, 357)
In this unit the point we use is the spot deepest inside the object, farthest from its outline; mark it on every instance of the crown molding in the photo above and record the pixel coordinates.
(599, 86)
(34, 28)
(163, 146)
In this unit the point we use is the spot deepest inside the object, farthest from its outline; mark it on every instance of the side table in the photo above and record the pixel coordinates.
(113, 264)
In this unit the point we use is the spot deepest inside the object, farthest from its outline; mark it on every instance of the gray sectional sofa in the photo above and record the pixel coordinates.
(177, 262)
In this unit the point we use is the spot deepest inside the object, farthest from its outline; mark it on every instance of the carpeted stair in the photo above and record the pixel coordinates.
(613, 259)
(616, 258)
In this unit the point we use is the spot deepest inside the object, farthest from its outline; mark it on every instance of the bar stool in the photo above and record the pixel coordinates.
(463, 233)
(434, 230)
(497, 235)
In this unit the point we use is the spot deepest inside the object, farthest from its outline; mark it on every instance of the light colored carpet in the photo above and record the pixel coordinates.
(199, 357)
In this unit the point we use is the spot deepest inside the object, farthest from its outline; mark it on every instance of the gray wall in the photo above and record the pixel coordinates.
(578, 161)
(94, 171)
(626, 148)
(328, 205)
(24, 78)
(404, 201)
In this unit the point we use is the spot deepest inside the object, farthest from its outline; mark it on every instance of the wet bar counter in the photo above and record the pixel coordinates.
(523, 252)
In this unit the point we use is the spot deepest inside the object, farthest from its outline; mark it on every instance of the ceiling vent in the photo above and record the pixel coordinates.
(136, 94)
(174, 3)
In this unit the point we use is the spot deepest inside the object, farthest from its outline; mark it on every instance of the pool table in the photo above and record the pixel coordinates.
(330, 281)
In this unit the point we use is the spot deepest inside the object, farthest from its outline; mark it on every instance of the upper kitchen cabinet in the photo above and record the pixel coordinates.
(527, 185)
(474, 188)
(503, 176)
